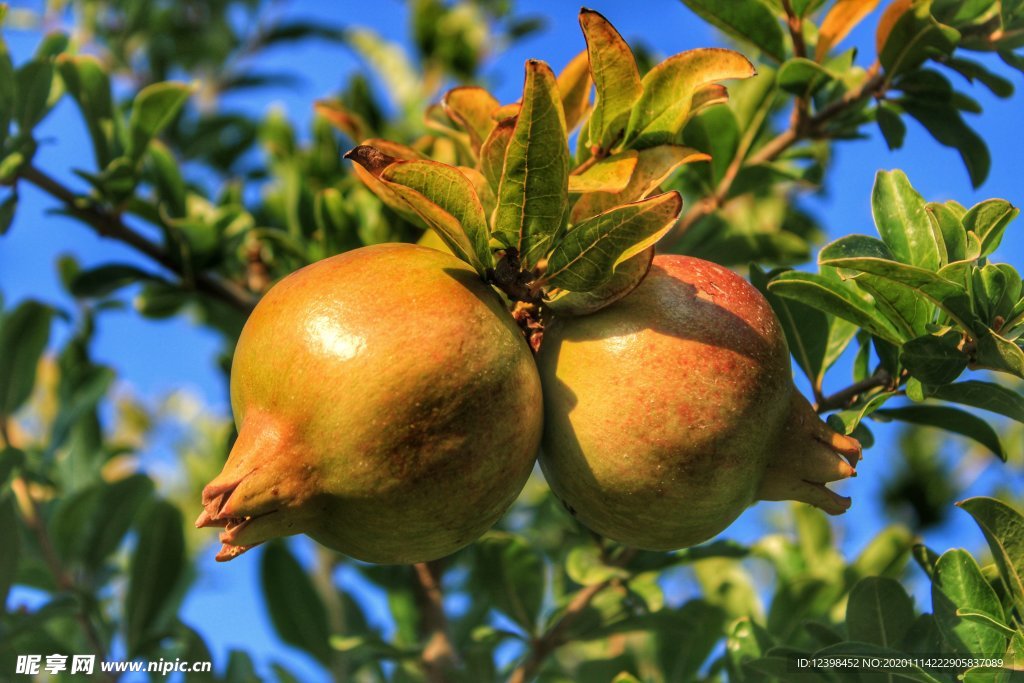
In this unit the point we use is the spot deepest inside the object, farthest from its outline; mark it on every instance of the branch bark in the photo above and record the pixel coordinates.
(110, 225)
(438, 659)
(845, 398)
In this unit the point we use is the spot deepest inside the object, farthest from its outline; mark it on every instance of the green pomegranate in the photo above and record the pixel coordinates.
(672, 410)
(387, 406)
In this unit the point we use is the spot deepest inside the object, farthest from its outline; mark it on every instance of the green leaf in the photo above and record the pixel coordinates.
(24, 333)
(949, 225)
(154, 107)
(7, 208)
(973, 71)
(749, 20)
(945, 124)
(846, 421)
(989, 220)
(835, 298)
(511, 573)
(998, 353)
(800, 76)
(584, 565)
(984, 395)
(12, 545)
(659, 115)
(625, 278)
(885, 555)
(889, 122)
(902, 221)
(88, 83)
(574, 84)
(915, 37)
(958, 584)
(295, 608)
(855, 246)
(857, 651)
(611, 174)
(440, 195)
(879, 611)
(946, 294)
(105, 280)
(1004, 530)
(746, 641)
(952, 420)
(533, 192)
(32, 85)
(493, 150)
(934, 359)
(587, 254)
(616, 78)
(154, 582)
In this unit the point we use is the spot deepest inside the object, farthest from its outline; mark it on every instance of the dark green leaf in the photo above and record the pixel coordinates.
(952, 420)
(901, 220)
(12, 544)
(511, 572)
(154, 582)
(24, 334)
(1004, 530)
(847, 420)
(586, 257)
(104, 280)
(915, 37)
(800, 76)
(958, 584)
(934, 359)
(984, 395)
(945, 124)
(892, 126)
(86, 80)
(533, 192)
(616, 78)
(972, 71)
(7, 207)
(879, 611)
(749, 20)
(998, 353)
(296, 610)
(33, 83)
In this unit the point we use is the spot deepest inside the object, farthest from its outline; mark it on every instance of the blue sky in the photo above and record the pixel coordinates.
(157, 357)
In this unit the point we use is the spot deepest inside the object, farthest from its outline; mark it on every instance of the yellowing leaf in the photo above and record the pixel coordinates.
(574, 86)
(492, 152)
(665, 105)
(653, 167)
(625, 278)
(442, 196)
(608, 175)
(348, 122)
(839, 21)
(616, 76)
(471, 108)
(707, 96)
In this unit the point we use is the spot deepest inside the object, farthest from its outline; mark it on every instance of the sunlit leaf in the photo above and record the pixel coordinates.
(471, 107)
(625, 278)
(1004, 530)
(840, 20)
(989, 220)
(574, 84)
(901, 220)
(659, 115)
(959, 584)
(611, 174)
(616, 78)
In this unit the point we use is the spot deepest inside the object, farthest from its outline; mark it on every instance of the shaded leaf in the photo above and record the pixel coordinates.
(934, 359)
(625, 278)
(952, 420)
(959, 584)
(154, 107)
(512, 574)
(908, 35)
(587, 254)
(12, 543)
(879, 611)
(295, 608)
(984, 395)
(104, 280)
(951, 228)
(157, 569)
(748, 20)
(945, 124)
(24, 333)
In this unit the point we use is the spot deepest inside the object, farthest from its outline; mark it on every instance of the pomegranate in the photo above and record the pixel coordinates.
(672, 410)
(387, 406)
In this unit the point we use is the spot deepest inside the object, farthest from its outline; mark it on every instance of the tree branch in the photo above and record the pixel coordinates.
(110, 225)
(845, 398)
(438, 658)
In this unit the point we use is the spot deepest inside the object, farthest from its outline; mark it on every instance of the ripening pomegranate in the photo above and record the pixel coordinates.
(387, 405)
(672, 410)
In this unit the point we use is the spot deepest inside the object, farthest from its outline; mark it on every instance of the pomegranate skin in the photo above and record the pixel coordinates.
(387, 406)
(665, 411)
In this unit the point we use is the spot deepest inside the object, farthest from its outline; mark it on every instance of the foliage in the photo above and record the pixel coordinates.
(557, 200)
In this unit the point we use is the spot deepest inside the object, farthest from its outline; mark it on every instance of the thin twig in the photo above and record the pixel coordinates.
(438, 658)
(846, 397)
(110, 225)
